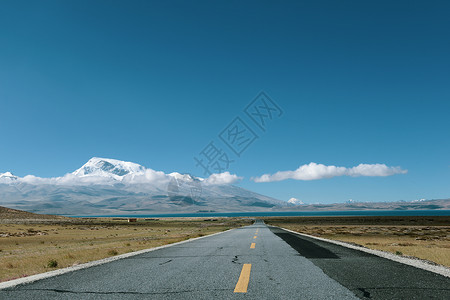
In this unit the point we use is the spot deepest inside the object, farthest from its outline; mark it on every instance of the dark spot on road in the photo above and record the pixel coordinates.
(303, 247)
(165, 262)
(365, 293)
(235, 259)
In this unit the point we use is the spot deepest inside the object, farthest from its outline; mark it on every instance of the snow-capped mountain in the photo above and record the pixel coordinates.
(108, 186)
(7, 177)
(106, 167)
(295, 201)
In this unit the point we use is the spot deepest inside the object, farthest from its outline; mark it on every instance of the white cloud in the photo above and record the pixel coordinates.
(313, 171)
(68, 179)
(222, 178)
(148, 176)
(31, 179)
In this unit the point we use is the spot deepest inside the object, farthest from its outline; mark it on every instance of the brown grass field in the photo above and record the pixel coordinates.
(34, 246)
(427, 238)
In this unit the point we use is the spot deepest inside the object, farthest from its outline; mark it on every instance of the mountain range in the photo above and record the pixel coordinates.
(105, 186)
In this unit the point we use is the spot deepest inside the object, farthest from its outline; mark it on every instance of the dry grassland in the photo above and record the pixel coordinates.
(28, 248)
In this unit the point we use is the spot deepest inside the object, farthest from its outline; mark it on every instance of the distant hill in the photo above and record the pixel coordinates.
(439, 204)
(15, 214)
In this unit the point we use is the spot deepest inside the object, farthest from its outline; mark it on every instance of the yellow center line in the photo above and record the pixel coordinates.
(252, 246)
(255, 237)
(242, 284)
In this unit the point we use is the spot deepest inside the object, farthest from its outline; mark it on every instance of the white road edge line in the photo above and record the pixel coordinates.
(32, 278)
(418, 263)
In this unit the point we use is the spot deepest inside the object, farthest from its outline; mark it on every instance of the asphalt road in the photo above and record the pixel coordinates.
(254, 262)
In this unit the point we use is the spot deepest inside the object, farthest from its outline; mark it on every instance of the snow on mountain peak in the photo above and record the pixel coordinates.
(107, 167)
(295, 201)
(185, 177)
(8, 175)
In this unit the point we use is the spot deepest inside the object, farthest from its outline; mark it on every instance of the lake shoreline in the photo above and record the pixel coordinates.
(414, 213)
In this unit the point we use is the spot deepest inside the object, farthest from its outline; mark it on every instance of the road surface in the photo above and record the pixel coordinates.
(253, 262)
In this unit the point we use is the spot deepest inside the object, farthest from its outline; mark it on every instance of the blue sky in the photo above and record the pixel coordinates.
(154, 82)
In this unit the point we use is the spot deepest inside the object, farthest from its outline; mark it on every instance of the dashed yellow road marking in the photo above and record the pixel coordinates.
(252, 246)
(255, 237)
(242, 284)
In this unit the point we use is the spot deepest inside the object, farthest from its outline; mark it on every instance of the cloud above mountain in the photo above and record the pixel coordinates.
(222, 178)
(314, 171)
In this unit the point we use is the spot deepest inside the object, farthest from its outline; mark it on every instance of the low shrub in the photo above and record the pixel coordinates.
(52, 263)
(112, 252)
